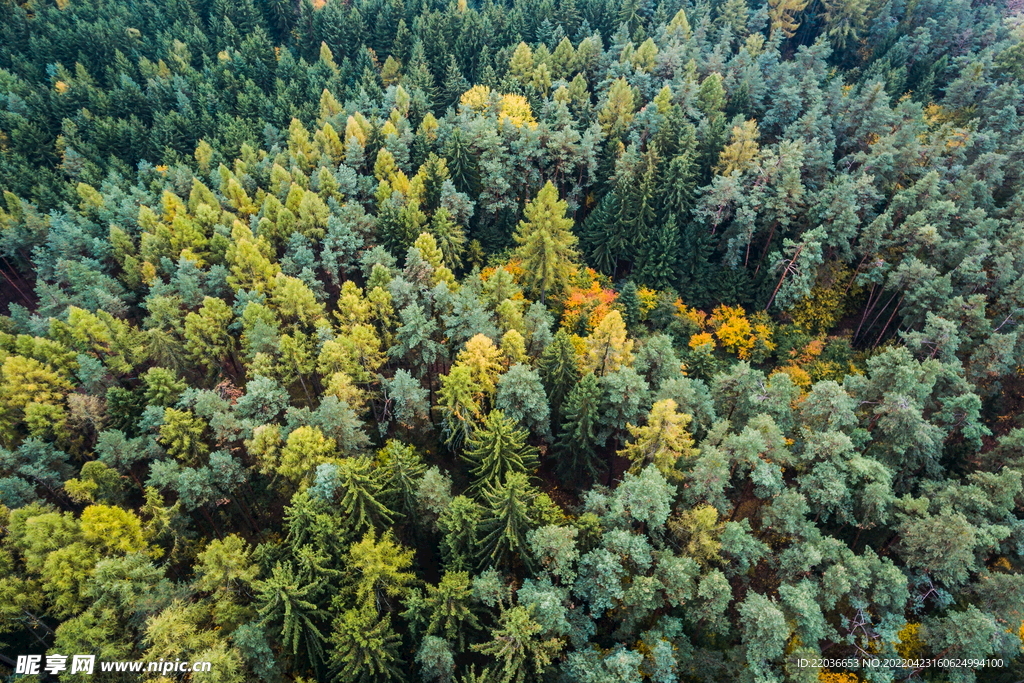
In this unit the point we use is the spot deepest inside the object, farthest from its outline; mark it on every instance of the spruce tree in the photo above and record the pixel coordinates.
(365, 647)
(560, 371)
(497, 448)
(508, 517)
(577, 447)
(462, 164)
(288, 606)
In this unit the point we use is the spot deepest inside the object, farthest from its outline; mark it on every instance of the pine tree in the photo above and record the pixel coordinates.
(522, 398)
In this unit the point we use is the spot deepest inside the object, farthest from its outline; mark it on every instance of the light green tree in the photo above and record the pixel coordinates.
(546, 244)
(519, 646)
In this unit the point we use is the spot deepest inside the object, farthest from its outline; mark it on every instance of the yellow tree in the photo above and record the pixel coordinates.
(547, 246)
(306, 448)
(248, 258)
(483, 359)
(782, 14)
(609, 347)
(356, 352)
(741, 151)
(617, 113)
(521, 64)
(662, 441)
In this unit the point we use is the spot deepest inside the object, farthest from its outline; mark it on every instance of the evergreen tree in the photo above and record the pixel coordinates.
(497, 449)
(365, 647)
(560, 371)
(446, 609)
(518, 645)
(197, 294)
(522, 399)
(580, 437)
(359, 495)
(288, 606)
(508, 517)
(464, 168)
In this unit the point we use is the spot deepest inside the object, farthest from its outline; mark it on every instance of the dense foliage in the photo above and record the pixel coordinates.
(585, 340)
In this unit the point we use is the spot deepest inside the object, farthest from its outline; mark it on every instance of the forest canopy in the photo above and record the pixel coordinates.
(597, 341)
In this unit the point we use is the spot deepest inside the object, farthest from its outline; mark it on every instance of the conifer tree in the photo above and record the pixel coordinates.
(496, 449)
(450, 237)
(365, 647)
(460, 403)
(662, 441)
(507, 518)
(207, 340)
(546, 243)
(579, 441)
(522, 399)
(288, 606)
(617, 113)
(463, 167)
(783, 15)
(379, 571)
(519, 646)
(560, 370)
(403, 469)
(359, 495)
(446, 609)
(609, 347)
(459, 524)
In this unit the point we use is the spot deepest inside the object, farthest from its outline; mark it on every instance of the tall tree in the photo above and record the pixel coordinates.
(580, 436)
(497, 449)
(508, 517)
(288, 605)
(547, 246)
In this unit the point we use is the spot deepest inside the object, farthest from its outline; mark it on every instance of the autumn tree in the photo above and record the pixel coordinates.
(546, 243)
